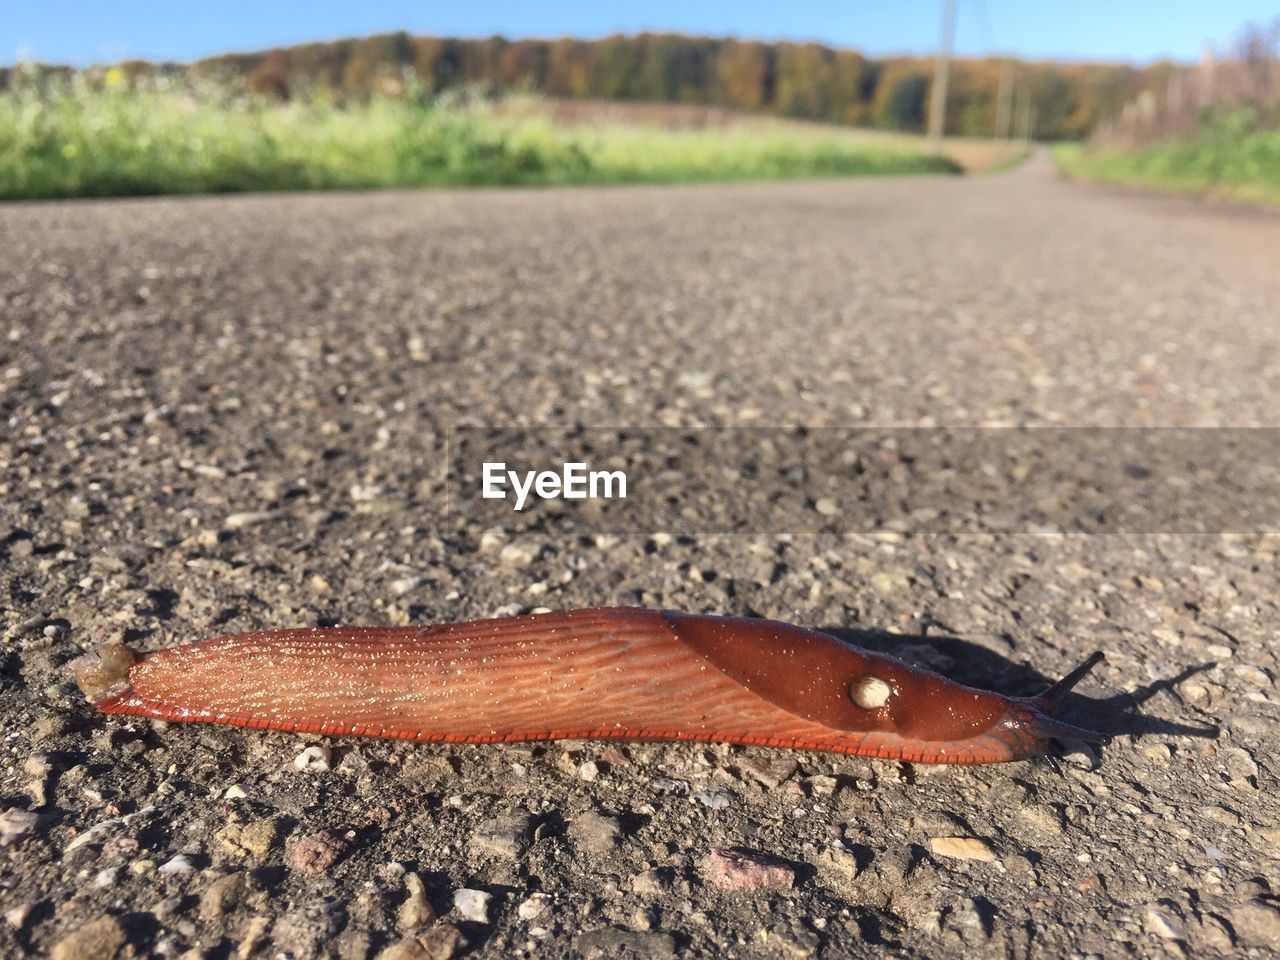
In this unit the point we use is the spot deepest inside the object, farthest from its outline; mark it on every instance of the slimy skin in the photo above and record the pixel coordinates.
(622, 674)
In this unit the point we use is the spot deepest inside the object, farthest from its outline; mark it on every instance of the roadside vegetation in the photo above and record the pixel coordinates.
(81, 136)
(1209, 128)
(1232, 154)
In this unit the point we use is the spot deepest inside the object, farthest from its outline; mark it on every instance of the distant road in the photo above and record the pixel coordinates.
(1006, 297)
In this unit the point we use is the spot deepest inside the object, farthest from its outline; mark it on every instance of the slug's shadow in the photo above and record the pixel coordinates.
(1115, 715)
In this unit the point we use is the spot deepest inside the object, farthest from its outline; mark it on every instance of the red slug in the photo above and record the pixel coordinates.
(584, 674)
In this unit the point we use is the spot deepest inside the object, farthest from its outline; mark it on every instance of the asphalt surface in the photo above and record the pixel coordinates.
(225, 414)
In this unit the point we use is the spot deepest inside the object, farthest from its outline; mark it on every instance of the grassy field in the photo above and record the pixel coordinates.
(1229, 157)
(84, 140)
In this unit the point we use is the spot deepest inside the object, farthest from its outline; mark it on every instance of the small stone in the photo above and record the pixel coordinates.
(838, 863)
(100, 939)
(966, 918)
(505, 837)
(1253, 675)
(254, 839)
(16, 917)
(365, 493)
(250, 518)
(519, 554)
(823, 785)
(770, 773)
(405, 585)
(255, 931)
(492, 540)
(747, 870)
(1196, 694)
(649, 883)
(963, 848)
(222, 896)
(106, 877)
(534, 906)
(718, 799)
(826, 507)
(472, 905)
(597, 832)
(235, 792)
(1257, 923)
(589, 771)
(105, 563)
(415, 913)
(176, 866)
(1216, 934)
(16, 824)
(441, 942)
(314, 759)
(890, 583)
(315, 854)
(1157, 752)
(1239, 763)
(1160, 924)
(48, 728)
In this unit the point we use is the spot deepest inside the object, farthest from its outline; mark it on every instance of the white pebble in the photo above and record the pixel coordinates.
(106, 877)
(534, 906)
(403, 586)
(472, 904)
(237, 792)
(249, 518)
(179, 864)
(314, 759)
(714, 799)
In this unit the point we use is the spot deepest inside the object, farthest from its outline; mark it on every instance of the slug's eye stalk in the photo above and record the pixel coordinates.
(1037, 720)
(1054, 695)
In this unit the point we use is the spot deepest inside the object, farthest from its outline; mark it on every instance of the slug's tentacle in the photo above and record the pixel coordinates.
(603, 673)
(1055, 694)
(1046, 727)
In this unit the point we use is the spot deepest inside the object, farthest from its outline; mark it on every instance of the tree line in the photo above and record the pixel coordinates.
(803, 80)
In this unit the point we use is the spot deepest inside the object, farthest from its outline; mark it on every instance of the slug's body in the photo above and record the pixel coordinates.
(606, 673)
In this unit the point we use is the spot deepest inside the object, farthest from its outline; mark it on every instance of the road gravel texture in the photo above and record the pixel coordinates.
(225, 414)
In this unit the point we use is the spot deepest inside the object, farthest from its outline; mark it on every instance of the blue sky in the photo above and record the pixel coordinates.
(94, 31)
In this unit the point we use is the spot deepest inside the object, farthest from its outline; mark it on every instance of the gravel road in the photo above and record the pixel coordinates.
(225, 414)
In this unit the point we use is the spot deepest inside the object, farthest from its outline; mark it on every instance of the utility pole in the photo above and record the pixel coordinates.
(1004, 100)
(941, 71)
(1026, 116)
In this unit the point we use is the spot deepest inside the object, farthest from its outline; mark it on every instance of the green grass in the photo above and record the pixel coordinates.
(1229, 157)
(80, 140)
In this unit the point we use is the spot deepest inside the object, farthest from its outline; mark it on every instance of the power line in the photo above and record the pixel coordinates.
(979, 8)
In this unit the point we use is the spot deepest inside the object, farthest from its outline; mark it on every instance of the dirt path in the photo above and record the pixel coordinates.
(226, 413)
